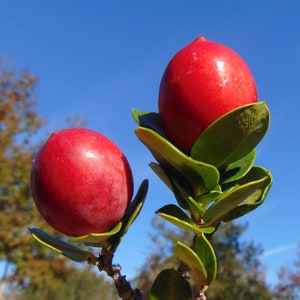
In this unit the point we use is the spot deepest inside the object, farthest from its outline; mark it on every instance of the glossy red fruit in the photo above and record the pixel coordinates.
(202, 82)
(81, 182)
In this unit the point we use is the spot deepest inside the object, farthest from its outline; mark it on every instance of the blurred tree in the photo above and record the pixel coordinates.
(288, 286)
(29, 269)
(73, 284)
(18, 123)
(240, 273)
(161, 255)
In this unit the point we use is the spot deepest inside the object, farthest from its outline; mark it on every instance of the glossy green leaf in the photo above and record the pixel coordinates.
(238, 169)
(170, 285)
(170, 183)
(249, 191)
(208, 197)
(232, 136)
(96, 239)
(159, 171)
(182, 197)
(251, 203)
(199, 175)
(149, 120)
(135, 206)
(61, 247)
(190, 258)
(131, 214)
(177, 217)
(193, 206)
(207, 255)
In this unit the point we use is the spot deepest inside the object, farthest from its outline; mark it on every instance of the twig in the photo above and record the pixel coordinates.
(200, 296)
(185, 270)
(125, 291)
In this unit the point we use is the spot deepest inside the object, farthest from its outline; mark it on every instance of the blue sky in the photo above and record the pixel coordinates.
(99, 59)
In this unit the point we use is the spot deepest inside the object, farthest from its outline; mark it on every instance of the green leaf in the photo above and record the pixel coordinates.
(177, 217)
(190, 258)
(159, 171)
(208, 197)
(183, 199)
(237, 169)
(250, 191)
(232, 136)
(193, 206)
(199, 175)
(251, 203)
(207, 255)
(180, 196)
(61, 246)
(96, 239)
(170, 285)
(175, 187)
(149, 120)
(131, 214)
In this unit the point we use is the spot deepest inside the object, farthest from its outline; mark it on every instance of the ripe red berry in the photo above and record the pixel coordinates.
(81, 182)
(202, 82)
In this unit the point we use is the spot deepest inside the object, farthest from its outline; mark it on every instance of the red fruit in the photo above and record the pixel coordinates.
(202, 82)
(81, 182)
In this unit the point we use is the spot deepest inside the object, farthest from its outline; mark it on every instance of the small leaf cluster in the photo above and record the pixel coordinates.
(217, 182)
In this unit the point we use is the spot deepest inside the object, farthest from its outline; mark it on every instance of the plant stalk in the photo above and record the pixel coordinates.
(125, 291)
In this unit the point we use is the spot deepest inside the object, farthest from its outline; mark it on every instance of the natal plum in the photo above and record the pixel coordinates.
(202, 82)
(81, 182)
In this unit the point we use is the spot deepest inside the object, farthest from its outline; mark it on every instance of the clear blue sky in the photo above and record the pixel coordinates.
(99, 59)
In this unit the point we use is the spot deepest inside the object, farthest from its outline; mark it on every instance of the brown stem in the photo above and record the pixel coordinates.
(185, 270)
(200, 296)
(125, 291)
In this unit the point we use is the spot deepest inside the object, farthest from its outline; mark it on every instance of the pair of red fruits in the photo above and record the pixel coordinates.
(81, 181)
